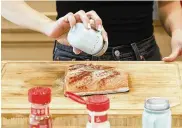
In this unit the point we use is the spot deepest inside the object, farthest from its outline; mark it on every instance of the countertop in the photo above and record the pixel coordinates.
(146, 79)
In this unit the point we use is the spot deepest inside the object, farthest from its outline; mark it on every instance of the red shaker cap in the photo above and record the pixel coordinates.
(98, 103)
(39, 95)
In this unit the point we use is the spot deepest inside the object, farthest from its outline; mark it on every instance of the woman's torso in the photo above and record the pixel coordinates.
(125, 22)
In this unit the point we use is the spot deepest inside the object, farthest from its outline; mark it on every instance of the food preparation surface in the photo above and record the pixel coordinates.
(146, 79)
(58, 126)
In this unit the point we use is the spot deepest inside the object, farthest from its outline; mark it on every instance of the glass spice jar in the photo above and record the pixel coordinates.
(157, 113)
(40, 97)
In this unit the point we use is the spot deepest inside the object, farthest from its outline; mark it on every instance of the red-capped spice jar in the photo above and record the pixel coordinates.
(97, 106)
(39, 98)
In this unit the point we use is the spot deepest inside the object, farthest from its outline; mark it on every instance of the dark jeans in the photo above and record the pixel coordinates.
(146, 49)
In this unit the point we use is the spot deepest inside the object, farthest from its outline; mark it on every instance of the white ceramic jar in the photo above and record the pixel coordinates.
(87, 40)
(156, 113)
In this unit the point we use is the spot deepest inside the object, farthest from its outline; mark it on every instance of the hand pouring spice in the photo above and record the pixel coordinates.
(97, 106)
(40, 98)
(87, 40)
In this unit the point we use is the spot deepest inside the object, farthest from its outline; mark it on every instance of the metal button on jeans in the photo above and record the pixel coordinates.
(117, 53)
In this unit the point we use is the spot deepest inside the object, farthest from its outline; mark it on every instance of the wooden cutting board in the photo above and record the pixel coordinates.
(58, 126)
(146, 79)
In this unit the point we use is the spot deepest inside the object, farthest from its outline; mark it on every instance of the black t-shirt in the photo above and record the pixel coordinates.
(124, 21)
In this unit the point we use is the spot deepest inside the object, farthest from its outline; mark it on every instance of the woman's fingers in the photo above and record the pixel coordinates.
(93, 25)
(88, 19)
(82, 17)
(70, 18)
(104, 34)
(85, 18)
(76, 51)
(97, 20)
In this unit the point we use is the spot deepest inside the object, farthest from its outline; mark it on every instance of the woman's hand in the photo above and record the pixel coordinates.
(176, 45)
(27, 17)
(59, 29)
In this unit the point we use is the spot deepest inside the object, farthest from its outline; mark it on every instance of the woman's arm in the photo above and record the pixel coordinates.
(21, 14)
(171, 17)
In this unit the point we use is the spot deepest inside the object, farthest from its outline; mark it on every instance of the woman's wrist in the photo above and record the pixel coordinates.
(46, 27)
(177, 30)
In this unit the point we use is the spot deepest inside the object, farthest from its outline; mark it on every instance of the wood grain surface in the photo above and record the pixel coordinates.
(58, 126)
(146, 79)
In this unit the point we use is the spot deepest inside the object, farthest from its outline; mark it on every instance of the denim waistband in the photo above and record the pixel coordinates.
(141, 45)
(135, 49)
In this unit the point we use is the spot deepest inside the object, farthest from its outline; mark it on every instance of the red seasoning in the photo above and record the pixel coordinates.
(40, 98)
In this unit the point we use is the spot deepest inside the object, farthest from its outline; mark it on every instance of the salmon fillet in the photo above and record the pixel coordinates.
(88, 79)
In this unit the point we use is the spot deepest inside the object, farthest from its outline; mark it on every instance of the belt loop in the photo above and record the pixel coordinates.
(54, 49)
(137, 53)
(55, 43)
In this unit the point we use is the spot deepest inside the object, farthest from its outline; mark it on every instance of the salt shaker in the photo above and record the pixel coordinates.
(97, 107)
(156, 113)
(39, 98)
(87, 40)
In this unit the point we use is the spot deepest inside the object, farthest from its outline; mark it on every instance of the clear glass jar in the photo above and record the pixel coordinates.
(156, 113)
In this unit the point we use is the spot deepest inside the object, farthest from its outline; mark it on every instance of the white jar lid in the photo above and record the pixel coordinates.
(157, 104)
